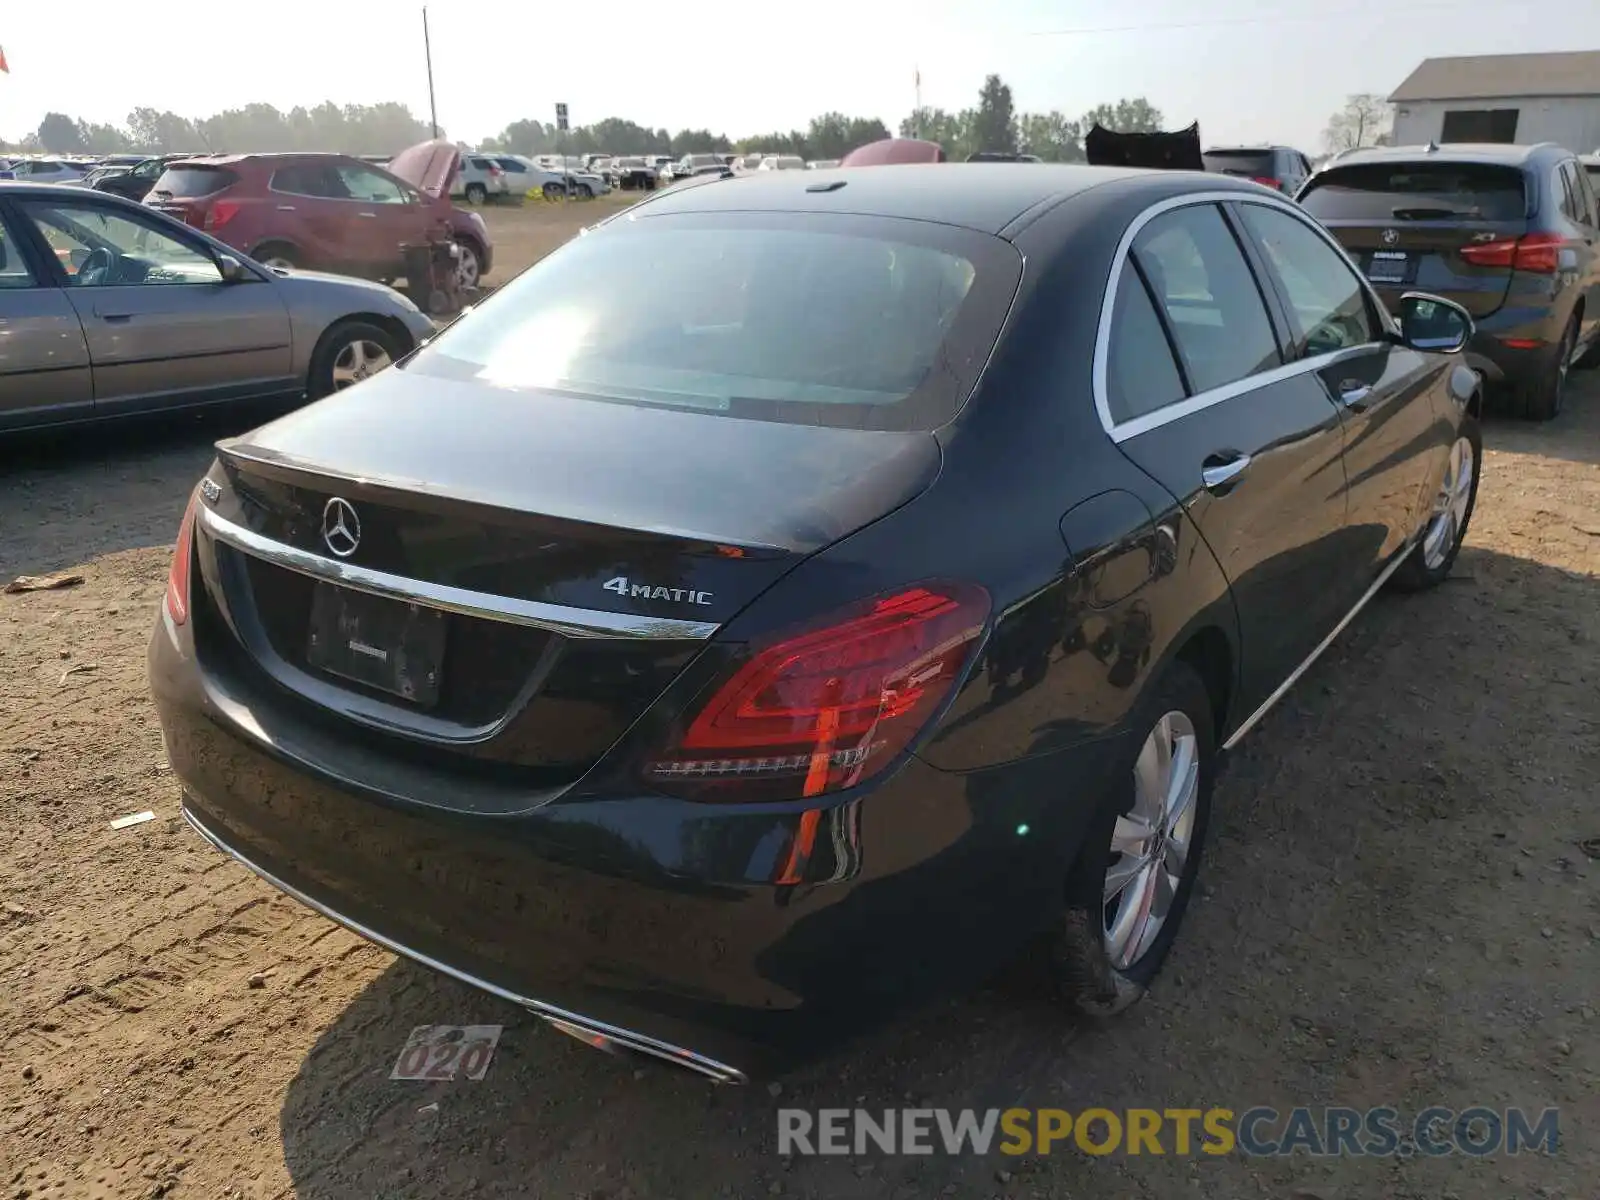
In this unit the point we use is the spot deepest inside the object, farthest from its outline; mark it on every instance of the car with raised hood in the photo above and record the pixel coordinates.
(716, 673)
(328, 212)
(111, 309)
(1511, 233)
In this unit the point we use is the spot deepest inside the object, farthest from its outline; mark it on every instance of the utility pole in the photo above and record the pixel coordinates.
(427, 49)
(917, 108)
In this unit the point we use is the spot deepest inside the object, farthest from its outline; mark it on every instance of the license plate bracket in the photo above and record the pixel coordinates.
(1390, 266)
(391, 646)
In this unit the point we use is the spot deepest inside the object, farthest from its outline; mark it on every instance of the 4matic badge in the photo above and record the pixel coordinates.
(644, 591)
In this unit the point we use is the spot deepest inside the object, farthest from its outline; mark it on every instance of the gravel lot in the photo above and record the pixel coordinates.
(1396, 911)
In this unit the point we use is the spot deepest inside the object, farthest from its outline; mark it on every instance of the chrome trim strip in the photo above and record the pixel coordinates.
(570, 622)
(1294, 676)
(644, 1044)
(1202, 400)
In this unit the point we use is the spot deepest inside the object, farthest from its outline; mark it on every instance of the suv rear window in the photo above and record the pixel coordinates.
(846, 322)
(180, 182)
(1385, 191)
(1252, 164)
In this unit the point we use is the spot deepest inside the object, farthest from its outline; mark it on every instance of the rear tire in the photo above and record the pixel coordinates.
(1428, 565)
(554, 191)
(349, 352)
(1146, 841)
(1542, 399)
(477, 194)
(278, 256)
(1591, 356)
(585, 191)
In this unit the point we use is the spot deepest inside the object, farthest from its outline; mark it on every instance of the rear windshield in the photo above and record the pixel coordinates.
(1418, 191)
(840, 321)
(1253, 163)
(179, 182)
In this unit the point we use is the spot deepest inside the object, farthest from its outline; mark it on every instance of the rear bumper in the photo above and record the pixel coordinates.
(652, 922)
(1515, 346)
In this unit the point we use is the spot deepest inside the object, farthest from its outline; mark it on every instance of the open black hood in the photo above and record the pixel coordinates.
(1179, 151)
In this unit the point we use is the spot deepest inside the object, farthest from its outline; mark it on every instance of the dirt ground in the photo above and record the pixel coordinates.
(1396, 910)
(523, 235)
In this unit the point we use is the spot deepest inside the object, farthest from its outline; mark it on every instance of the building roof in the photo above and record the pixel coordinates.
(1492, 76)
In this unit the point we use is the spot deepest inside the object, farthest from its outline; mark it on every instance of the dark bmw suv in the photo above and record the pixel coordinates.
(1511, 233)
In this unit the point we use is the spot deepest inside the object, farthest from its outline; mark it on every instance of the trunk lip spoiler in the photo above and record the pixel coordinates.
(557, 618)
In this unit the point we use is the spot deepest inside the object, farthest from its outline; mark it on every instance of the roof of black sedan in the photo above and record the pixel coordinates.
(983, 196)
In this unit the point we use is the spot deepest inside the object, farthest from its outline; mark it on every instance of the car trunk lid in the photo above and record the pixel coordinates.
(1439, 227)
(581, 552)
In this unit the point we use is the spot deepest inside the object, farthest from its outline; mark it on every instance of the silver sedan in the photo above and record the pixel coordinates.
(112, 309)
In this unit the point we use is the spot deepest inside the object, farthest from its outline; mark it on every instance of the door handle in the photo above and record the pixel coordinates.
(1353, 394)
(285, 208)
(369, 216)
(1220, 471)
(115, 317)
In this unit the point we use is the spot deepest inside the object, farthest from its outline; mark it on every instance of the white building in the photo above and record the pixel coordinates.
(1521, 98)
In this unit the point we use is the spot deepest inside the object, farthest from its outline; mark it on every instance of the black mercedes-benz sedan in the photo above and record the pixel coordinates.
(714, 668)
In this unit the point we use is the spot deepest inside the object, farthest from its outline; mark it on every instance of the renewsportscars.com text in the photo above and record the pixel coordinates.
(1477, 1131)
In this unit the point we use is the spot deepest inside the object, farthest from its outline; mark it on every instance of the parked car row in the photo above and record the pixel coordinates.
(115, 309)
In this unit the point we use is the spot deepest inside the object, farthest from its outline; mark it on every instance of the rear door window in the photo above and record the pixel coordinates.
(1385, 192)
(310, 179)
(1208, 295)
(823, 320)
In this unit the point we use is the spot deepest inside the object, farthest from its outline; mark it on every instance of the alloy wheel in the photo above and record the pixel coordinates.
(1449, 515)
(359, 360)
(467, 268)
(1150, 844)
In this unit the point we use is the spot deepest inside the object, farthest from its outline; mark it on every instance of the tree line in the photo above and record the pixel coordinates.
(348, 129)
(991, 124)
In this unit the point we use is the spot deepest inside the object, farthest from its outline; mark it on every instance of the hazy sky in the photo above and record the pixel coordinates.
(1248, 70)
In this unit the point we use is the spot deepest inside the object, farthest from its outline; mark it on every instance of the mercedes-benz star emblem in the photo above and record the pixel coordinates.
(341, 528)
(1391, 236)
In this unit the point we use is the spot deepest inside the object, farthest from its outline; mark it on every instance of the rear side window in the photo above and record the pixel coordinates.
(1251, 164)
(511, 165)
(1416, 191)
(182, 182)
(1205, 289)
(1141, 375)
(846, 322)
(482, 164)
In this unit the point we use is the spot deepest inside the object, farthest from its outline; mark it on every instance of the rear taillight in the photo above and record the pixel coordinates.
(178, 576)
(827, 706)
(1539, 253)
(1267, 181)
(220, 213)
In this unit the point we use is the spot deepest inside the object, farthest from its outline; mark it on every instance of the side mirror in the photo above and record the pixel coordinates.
(1434, 324)
(233, 271)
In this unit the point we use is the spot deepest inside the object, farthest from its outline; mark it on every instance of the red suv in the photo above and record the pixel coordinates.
(328, 212)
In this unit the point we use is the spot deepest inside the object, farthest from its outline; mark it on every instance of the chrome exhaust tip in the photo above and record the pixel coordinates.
(620, 1042)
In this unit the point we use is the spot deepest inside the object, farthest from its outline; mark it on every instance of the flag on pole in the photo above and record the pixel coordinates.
(3, 67)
